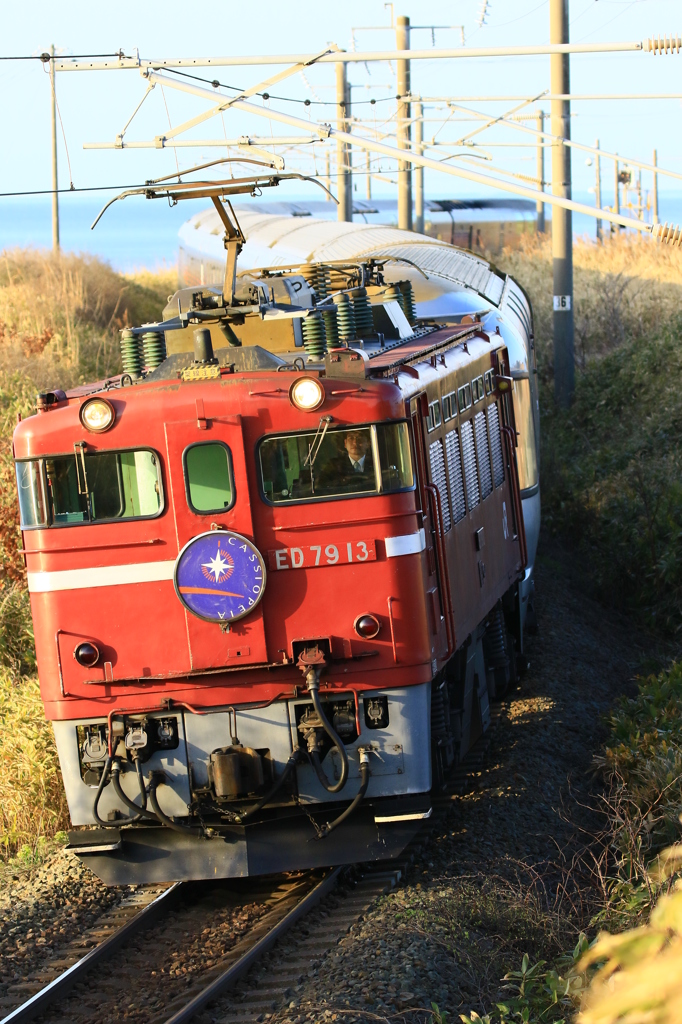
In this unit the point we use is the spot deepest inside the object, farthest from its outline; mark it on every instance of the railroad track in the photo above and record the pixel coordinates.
(142, 975)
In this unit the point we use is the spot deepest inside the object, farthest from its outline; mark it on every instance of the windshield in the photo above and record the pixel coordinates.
(67, 490)
(339, 463)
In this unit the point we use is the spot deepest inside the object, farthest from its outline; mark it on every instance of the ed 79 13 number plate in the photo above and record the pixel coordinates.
(308, 556)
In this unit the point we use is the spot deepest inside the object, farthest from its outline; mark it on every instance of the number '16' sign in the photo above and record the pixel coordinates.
(309, 556)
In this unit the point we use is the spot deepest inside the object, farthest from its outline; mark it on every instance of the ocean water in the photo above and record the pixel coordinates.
(137, 232)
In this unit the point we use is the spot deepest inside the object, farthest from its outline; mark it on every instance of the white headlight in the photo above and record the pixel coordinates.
(97, 415)
(307, 394)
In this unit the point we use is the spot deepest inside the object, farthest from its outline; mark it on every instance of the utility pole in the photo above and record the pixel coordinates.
(540, 206)
(55, 196)
(403, 133)
(597, 188)
(562, 222)
(655, 196)
(369, 175)
(418, 112)
(344, 186)
(616, 185)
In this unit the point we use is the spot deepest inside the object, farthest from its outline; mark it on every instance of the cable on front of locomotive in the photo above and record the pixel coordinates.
(312, 663)
(108, 766)
(313, 683)
(359, 796)
(274, 789)
(142, 811)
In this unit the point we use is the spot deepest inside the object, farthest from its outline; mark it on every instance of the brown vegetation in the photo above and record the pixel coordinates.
(59, 323)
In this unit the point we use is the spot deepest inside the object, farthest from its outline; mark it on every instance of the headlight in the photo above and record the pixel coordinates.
(307, 394)
(97, 415)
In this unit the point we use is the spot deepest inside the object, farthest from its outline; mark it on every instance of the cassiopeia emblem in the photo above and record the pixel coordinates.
(220, 576)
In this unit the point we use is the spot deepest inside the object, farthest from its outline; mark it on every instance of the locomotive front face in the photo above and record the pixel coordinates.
(182, 563)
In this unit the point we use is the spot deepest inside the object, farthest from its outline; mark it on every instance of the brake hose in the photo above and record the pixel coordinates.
(102, 783)
(277, 785)
(364, 782)
(313, 688)
(157, 779)
(142, 811)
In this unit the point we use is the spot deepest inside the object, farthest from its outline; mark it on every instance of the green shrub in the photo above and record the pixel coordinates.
(612, 477)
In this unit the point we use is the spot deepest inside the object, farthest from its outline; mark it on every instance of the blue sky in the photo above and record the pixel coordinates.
(95, 106)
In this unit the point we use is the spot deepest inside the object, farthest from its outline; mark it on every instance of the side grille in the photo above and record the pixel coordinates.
(438, 477)
(496, 444)
(483, 452)
(469, 459)
(455, 473)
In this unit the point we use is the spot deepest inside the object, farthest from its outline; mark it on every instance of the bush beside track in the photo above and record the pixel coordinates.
(59, 323)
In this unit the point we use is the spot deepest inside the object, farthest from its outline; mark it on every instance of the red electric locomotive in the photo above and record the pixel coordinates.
(274, 570)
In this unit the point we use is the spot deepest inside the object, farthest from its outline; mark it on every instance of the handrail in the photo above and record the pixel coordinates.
(510, 437)
(390, 622)
(443, 570)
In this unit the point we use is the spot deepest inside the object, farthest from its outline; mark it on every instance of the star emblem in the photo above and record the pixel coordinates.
(218, 568)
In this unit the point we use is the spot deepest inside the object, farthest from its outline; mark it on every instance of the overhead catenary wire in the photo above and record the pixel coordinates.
(670, 235)
(271, 96)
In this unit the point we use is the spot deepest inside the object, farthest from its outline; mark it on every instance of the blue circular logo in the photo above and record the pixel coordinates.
(220, 576)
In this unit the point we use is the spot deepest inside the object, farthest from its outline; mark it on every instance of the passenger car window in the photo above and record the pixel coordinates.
(343, 463)
(71, 490)
(208, 477)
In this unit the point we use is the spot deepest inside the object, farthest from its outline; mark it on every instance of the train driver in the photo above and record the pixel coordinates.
(352, 468)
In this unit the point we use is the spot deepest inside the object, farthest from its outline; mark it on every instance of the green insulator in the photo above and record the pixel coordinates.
(314, 338)
(408, 301)
(317, 277)
(154, 349)
(131, 354)
(394, 294)
(345, 317)
(331, 326)
(322, 281)
(364, 324)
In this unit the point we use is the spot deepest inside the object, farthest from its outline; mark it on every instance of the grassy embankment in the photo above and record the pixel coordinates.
(612, 494)
(59, 321)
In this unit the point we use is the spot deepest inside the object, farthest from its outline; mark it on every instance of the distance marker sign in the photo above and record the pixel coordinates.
(220, 576)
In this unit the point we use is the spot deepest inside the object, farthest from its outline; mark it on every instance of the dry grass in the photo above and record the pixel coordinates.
(59, 323)
(624, 289)
(32, 800)
(60, 315)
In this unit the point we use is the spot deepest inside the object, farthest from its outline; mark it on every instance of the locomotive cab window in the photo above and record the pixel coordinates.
(351, 462)
(89, 487)
(208, 477)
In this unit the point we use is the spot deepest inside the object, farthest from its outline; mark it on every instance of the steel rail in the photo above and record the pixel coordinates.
(343, 57)
(61, 986)
(230, 976)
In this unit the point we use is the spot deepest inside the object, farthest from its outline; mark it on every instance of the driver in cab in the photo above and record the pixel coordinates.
(352, 468)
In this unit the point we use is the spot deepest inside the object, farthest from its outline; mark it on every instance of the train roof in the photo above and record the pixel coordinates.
(283, 240)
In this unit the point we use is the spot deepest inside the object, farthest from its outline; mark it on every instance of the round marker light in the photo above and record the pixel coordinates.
(367, 626)
(97, 415)
(86, 655)
(307, 394)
